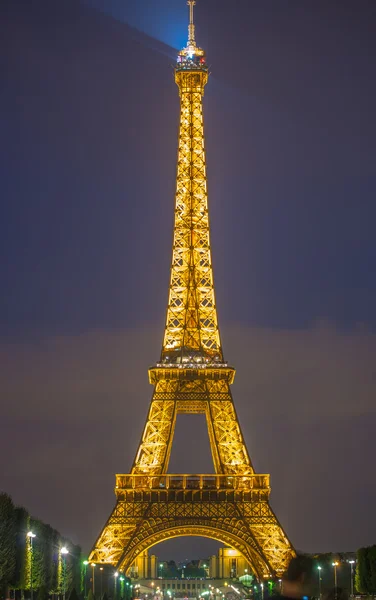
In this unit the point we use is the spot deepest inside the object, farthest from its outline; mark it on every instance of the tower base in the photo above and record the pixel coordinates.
(233, 509)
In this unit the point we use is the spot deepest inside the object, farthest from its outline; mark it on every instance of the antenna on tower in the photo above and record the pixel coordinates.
(191, 26)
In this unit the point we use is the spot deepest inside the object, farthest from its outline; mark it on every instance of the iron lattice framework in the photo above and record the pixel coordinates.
(232, 505)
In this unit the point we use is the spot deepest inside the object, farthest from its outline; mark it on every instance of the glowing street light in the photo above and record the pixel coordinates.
(121, 579)
(64, 551)
(352, 562)
(116, 575)
(101, 570)
(319, 572)
(85, 563)
(93, 565)
(335, 565)
(31, 536)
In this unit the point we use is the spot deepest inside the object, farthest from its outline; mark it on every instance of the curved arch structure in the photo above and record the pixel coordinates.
(223, 532)
(233, 509)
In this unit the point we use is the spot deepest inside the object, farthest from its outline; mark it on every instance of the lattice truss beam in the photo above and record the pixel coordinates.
(212, 398)
(248, 526)
(191, 314)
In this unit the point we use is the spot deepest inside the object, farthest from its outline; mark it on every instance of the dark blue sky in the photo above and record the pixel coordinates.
(88, 137)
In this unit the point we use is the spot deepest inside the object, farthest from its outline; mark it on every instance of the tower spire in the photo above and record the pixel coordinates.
(192, 332)
(191, 26)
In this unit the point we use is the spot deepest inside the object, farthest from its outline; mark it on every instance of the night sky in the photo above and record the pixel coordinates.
(88, 136)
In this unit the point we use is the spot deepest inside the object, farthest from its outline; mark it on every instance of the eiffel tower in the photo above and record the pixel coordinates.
(232, 504)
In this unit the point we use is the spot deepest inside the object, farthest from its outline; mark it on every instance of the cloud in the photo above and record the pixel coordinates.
(305, 374)
(300, 374)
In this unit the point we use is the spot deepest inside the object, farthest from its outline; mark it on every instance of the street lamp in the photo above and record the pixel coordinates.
(335, 565)
(86, 562)
(93, 576)
(352, 577)
(121, 587)
(64, 552)
(262, 590)
(101, 570)
(116, 575)
(161, 568)
(31, 536)
(319, 572)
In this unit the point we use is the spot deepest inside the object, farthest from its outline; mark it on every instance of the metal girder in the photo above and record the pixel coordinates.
(191, 323)
(213, 398)
(143, 519)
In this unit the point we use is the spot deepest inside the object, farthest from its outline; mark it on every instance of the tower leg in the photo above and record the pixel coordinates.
(155, 447)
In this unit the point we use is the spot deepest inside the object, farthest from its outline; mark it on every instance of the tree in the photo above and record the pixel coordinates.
(171, 571)
(41, 554)
(193, 570)
(42, 592)
(76, 567)
(7, 541)
(73, 595)
(365, 579)
(22, 526)
(54, 574)
(372, 568)
(16, 558)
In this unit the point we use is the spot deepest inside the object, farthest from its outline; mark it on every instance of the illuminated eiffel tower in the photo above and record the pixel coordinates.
(231, 505)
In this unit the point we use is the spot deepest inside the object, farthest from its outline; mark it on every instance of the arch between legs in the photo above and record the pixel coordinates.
(156, 531)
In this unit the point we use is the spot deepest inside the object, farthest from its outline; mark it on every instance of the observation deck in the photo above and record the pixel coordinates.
(192, 488)
(192, 482)
(191, 61)
(186, 370)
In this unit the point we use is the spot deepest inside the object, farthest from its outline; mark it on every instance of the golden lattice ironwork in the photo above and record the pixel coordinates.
(231, 505)
(191, 324)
